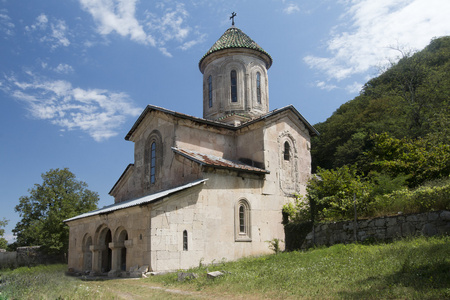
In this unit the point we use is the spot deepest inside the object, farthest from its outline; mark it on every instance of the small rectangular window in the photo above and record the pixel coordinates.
(185, 240)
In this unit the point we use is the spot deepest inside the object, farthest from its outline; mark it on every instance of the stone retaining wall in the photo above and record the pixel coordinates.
(379, 229)
(26, 256)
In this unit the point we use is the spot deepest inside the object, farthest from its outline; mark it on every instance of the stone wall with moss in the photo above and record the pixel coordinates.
(371, 230)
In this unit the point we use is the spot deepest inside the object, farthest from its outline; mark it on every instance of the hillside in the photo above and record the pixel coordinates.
(410, 100)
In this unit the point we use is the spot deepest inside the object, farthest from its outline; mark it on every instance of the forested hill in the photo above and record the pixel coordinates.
(410, 101)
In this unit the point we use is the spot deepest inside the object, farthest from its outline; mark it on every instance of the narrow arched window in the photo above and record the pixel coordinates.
(210, 91)
(185, 240)
(153, 163)
(287, 149)
(233, 86)
(242, 221)
(258, 87)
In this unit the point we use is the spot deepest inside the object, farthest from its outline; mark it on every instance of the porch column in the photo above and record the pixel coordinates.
(96, 259)
(128, 245)
(115, 255)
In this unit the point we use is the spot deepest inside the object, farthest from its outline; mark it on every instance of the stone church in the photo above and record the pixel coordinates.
(202, 189)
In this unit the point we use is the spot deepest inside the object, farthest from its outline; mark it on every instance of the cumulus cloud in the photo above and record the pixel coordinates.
(97, 112)
(117, 16)
(54, 33)
(374, 28)
(165, 23)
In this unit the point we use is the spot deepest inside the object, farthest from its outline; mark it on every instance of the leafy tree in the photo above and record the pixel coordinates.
(59, 197)
(421, 159)
(409, 100)
(3, 241)
(331, 193)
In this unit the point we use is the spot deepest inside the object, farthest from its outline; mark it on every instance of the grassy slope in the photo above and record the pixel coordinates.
(409, 269)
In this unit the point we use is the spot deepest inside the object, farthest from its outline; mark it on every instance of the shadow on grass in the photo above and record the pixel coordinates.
(427, 280)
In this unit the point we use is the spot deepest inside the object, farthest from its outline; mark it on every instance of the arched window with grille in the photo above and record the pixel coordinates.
(233, 86)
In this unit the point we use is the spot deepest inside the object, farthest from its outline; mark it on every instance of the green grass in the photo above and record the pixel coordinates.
(42, 282)
(409, 269)
(416, 268)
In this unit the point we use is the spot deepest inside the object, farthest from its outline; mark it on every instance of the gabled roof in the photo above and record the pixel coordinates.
(217, 162)
(236, 38)
(140, 201)
(151, 108)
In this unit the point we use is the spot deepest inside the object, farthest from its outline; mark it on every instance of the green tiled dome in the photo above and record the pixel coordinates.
(235, 38)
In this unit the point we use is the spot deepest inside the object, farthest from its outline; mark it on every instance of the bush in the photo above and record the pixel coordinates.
(428, 197)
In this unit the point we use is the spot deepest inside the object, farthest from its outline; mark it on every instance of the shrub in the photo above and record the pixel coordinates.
(428, 197)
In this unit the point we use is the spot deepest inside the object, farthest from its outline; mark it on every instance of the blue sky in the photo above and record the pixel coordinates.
(75, 74)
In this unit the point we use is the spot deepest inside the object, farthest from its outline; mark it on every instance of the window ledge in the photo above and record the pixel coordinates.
(243, 239)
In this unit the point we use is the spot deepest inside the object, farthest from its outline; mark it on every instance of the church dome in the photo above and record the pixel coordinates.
(234, 38)
(235, 80)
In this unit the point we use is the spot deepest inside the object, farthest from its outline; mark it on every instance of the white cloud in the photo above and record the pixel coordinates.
(354, 88)
(374, 27)
(64, 69)
(6, 26)
(55, 37)
(118, 16)
(325, 86)
(97, 112)
(291, 8)
(166, 23)
(187, 45)
(171, 24)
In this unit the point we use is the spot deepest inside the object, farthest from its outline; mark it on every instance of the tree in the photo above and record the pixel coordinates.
(410, 99)
(3, 241)
(58, 198)
(421, 159)
(331, 193)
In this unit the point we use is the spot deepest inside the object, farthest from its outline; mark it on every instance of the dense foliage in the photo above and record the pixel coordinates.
(59, 197)
(409, 100)
(3, 241)
(377, 151)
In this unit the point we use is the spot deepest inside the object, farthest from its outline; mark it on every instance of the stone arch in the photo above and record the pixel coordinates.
(253, 70)
(87, 253)
(103, 239)
(212, 71)
(120, 236)
(288, 177)
(239, 66)
(242, 221)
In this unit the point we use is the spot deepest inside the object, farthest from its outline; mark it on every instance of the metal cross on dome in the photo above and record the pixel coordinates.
(232, 18)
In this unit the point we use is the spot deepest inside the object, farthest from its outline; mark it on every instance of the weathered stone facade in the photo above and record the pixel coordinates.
(200, 189)
(379, 229)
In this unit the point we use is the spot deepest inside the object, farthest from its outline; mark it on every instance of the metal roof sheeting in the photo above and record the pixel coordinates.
(218, 162)
(135, 202)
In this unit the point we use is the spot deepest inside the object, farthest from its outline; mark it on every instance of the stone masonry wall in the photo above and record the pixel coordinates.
(26, 256)
(379, 229)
